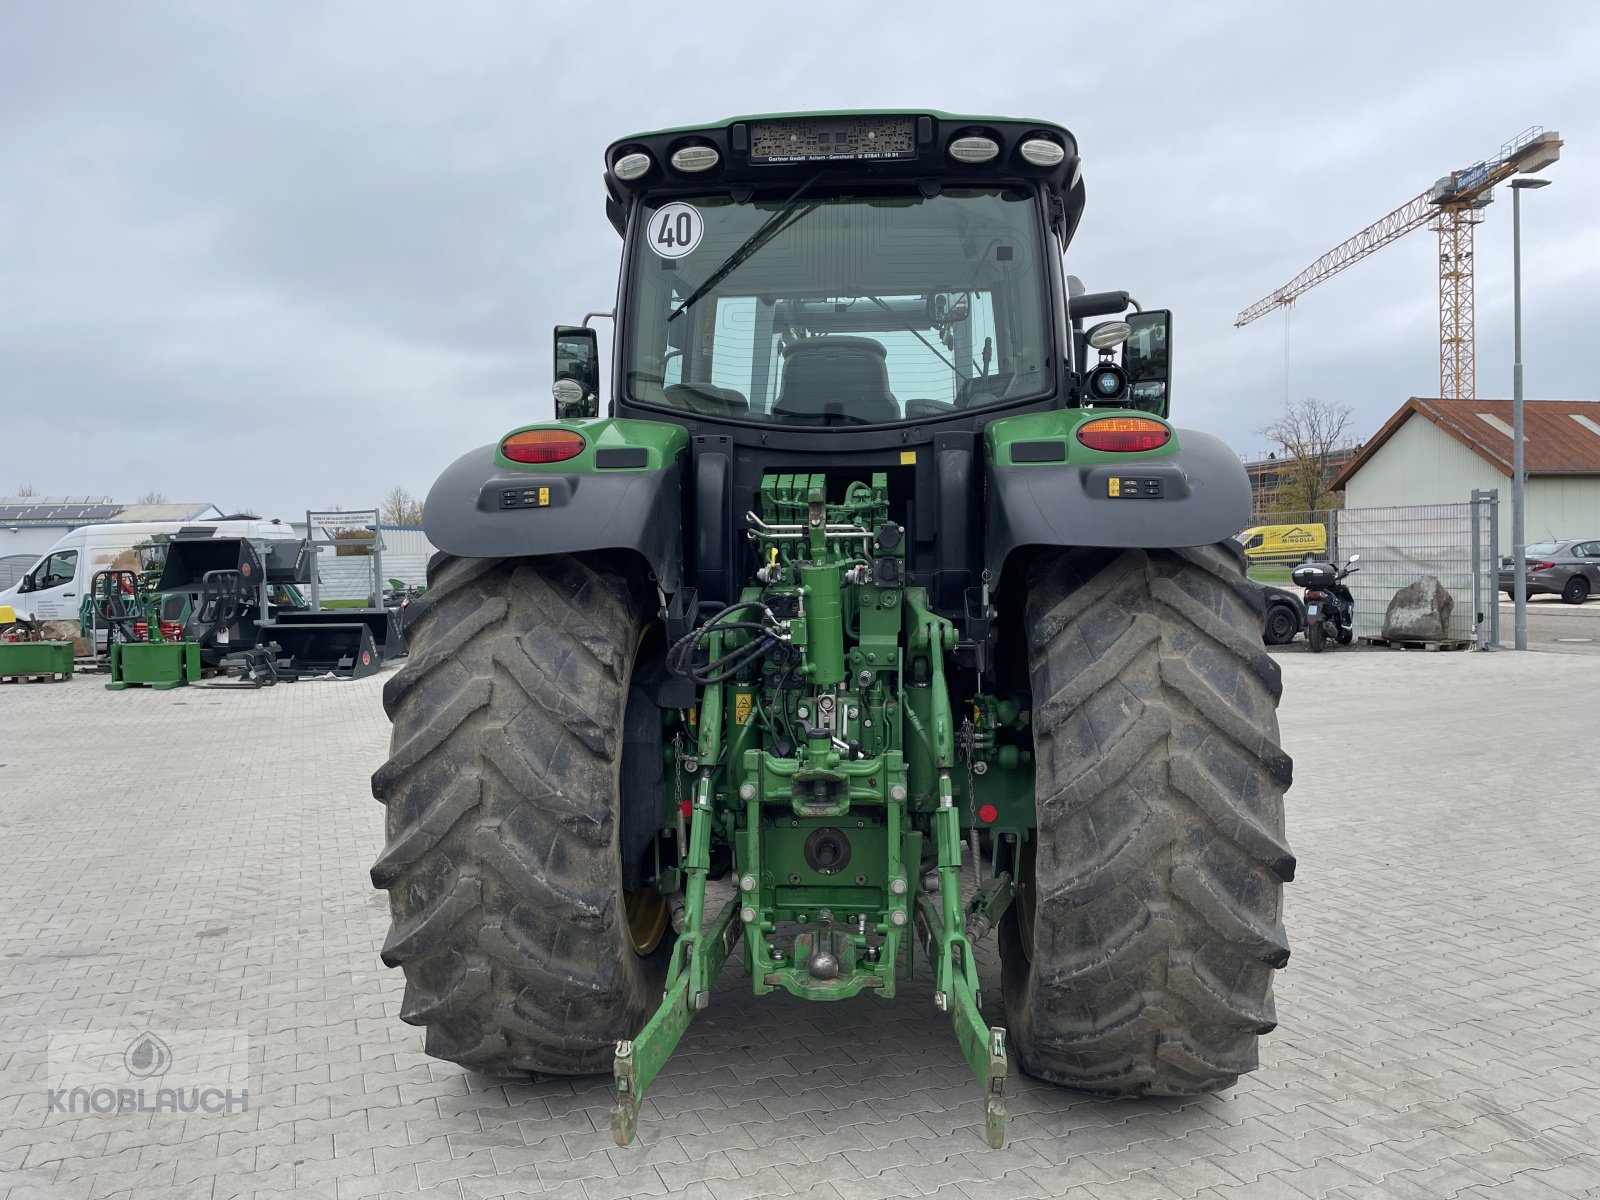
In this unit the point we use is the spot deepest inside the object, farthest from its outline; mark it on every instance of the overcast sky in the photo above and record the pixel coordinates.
(289, 255)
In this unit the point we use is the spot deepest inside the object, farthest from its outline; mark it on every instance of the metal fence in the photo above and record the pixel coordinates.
(1455, 543)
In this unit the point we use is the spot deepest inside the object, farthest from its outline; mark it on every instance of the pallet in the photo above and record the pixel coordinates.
(1415, 645)
(43, 677)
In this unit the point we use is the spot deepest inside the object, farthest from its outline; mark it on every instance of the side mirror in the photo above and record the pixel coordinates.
(1147, 358)
(577, 372)
(1354, 558)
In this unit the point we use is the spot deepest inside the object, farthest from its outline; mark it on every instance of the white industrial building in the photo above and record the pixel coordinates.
(1439, 451)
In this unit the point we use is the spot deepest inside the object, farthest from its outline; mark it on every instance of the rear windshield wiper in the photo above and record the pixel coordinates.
(770, 228)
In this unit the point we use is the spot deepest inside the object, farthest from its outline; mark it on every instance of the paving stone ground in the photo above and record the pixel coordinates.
(198, 859)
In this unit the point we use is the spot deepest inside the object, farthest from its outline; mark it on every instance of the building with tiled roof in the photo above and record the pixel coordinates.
(1439, 451)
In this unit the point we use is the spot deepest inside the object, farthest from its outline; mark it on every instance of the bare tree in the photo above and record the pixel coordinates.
(152, 497)
(27, 492)
(1308, 433)
(400, 507)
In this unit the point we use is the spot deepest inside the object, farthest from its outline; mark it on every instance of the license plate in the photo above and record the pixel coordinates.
(832, 139)
(1311, 610)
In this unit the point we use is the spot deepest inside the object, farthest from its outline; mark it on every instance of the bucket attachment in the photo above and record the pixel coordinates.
(382, 623)
(321, 647)
(190, 559)
(285, 561)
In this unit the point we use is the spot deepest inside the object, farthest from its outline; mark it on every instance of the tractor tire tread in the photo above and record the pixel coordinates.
(1157, 913)
(501, 860)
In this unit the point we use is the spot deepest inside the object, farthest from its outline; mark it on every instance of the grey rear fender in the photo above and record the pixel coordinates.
(480, 508)
(1196, 495)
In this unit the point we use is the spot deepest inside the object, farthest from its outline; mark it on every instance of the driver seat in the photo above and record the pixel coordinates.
(836, 377)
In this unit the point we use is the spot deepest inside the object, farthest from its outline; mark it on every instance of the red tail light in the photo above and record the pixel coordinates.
(543, 446)
(1124, 435)
(1541, 566)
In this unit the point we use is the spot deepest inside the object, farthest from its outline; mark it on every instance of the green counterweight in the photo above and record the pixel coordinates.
(824, 628)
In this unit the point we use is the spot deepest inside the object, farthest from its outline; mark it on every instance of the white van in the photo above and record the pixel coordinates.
(54, 587)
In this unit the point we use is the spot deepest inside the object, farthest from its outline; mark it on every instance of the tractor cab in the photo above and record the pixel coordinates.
(853, 271)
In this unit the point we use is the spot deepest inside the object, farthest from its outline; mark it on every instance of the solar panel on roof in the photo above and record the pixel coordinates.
(59, 512)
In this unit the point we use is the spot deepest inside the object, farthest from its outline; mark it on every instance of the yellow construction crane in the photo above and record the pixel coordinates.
(1451, 207)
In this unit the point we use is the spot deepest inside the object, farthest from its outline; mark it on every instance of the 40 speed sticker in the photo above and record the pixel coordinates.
(675, 230)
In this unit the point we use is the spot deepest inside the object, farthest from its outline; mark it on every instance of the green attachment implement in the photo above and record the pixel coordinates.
(825, 759)
(155, 662)
(35, 660)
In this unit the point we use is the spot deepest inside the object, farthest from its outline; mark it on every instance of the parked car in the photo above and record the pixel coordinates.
(1286, 615)
(1569, 569)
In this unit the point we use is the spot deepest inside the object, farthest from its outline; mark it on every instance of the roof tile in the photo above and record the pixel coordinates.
(1562, 436)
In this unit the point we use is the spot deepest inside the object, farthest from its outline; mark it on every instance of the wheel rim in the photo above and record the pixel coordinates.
(647, 919)
(1280, 626)
(1577, 591)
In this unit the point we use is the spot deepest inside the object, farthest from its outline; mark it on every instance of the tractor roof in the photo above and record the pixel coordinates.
(917, 146)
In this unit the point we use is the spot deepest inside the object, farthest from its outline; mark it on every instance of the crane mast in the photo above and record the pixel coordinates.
(1452, 207)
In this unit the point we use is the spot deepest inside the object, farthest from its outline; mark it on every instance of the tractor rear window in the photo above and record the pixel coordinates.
(853, 310)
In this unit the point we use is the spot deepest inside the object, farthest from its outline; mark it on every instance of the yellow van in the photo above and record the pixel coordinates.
(1283, 543)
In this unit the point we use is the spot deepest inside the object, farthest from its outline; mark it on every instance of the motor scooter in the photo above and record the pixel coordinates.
(1330, 608)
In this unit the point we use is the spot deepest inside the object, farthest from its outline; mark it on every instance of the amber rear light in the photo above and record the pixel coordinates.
(1124, 435)
(543, 446)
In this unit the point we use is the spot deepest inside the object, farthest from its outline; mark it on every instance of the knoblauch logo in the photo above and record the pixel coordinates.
(147, 1059)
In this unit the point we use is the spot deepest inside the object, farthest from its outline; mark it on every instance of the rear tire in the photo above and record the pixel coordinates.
(1316, 637)
(1138, 959)
(502, 863)
(1576, 590)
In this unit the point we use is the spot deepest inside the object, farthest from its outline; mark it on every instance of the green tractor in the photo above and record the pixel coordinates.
(883, 609)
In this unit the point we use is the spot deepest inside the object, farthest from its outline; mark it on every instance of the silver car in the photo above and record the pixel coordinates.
(1569, 569)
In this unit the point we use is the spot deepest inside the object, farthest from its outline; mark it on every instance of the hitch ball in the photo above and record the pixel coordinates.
(822, 965)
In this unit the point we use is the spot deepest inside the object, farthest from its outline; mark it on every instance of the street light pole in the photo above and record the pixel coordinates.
(1519, 563)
